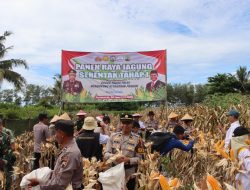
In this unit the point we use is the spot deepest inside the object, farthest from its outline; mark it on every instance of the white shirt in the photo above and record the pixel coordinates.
(103, 139)
(142, 126)
(229, 133)
(244, 178)
(153, 83)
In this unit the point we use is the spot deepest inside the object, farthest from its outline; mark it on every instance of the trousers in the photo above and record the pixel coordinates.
(36, 161)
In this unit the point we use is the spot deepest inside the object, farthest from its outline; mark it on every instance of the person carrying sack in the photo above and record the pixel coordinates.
(126, 143)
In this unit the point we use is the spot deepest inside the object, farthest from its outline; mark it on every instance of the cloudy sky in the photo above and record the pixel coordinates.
(202, 38)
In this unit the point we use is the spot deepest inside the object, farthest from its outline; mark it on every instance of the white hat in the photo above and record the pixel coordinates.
(137, 115)
(89, 123)
(99, 118)
(81, 112)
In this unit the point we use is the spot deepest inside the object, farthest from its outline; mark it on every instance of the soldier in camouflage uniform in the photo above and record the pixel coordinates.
(7, 157)
(127, 143)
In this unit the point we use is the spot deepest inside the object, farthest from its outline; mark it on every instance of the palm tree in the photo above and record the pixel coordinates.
(6, 66)
(56, 91)
(242, 76)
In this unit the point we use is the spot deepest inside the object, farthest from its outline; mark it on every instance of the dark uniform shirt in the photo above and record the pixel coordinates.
(74, 87)
(68, 169)
(89, 144)
(79, 124)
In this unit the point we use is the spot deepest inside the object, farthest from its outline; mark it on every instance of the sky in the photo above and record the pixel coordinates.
(202, 38)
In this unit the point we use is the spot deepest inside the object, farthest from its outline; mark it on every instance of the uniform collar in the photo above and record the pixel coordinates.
(235, 123)
(69, 143)
(154, 82)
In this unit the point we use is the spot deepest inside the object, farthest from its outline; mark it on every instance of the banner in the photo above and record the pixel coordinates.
(113, 76)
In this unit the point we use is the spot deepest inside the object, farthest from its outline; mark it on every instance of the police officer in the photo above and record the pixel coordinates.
(151, 124)
(41, 135)
(69, 166)
(80, 120)
(72, 86)
(126, 142)
(7, 157)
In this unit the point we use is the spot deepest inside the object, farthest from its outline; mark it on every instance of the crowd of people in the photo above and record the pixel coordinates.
(95, 137)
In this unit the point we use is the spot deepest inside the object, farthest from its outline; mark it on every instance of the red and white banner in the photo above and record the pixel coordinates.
(113, 76)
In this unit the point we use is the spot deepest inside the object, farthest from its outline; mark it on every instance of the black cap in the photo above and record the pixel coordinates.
(66, 126)
(72, 71)
(136, 124)
(151, 113)
(178, 130)
(126, 118)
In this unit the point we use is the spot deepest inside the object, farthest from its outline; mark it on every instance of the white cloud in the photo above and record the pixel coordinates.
(221, 31)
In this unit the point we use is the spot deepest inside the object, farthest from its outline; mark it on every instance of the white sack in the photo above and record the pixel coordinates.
(113, 178)
(41, 174)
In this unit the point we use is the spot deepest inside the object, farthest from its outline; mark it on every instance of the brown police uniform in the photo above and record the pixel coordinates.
(41, 133)
(68, 169)
(151, 124)
(74, 87)
(127, 145)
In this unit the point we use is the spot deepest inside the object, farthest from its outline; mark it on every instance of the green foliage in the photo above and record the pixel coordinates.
(84, 96)
(186, 93)
(34, 94)
(12, 114)
(225, 100)
(242, 76)
(12, 111)
(56, 90)
(143, 94)
(223, 83)
(6, 66)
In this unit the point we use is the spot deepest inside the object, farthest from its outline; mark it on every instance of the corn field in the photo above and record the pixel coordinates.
(207, 167)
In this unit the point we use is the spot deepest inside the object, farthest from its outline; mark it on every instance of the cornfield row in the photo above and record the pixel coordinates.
(191, 169)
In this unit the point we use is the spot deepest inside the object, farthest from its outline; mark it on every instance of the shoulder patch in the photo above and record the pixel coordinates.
(117, 134)
(64, 161)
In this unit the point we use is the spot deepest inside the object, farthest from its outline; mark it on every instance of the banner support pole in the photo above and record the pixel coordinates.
(166, 98)
(61, 108)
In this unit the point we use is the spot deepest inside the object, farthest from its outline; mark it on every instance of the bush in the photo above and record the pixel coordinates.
(12, 114)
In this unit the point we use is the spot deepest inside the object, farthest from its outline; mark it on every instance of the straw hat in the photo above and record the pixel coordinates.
(172, 115)
(81, 112)
(54, 119)
(64, 116)
(187, 117)
(89, 123)
(137, 115)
